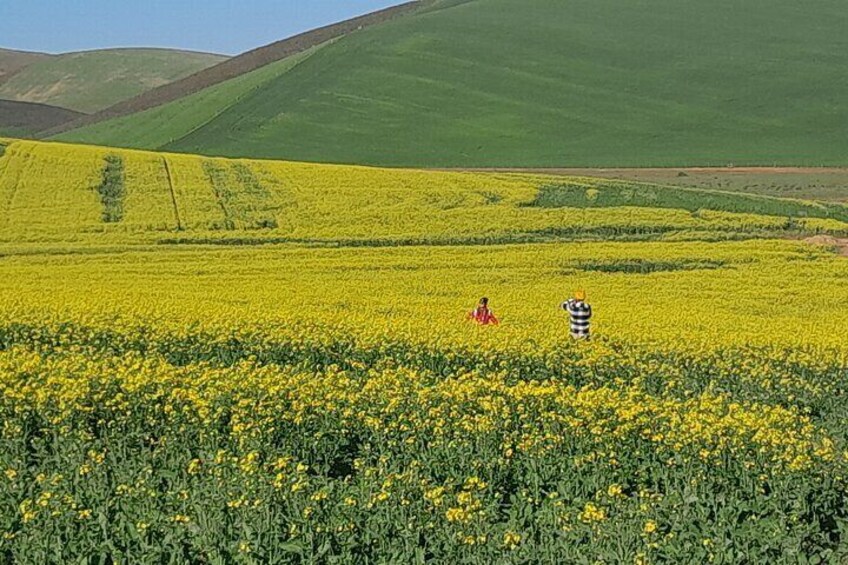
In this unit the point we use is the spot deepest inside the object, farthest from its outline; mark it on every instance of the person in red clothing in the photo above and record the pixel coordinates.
(483, 315)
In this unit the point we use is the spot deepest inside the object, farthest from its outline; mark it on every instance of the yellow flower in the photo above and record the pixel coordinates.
(592, 513)
(457, 514)
(614, 490)
(319, 496)
(194, 466)
(511, 540)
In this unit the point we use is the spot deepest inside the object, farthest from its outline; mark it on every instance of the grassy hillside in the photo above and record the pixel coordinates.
(56, 192)
(159, 126)
(243, 64)
(556, 83)
(91, 80)
(12, 62)
(23, 119)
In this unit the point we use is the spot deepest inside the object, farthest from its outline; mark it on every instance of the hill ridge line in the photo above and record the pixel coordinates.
(239, 65)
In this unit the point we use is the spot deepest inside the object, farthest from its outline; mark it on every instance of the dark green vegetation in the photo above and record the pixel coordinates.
(576, 195)
(24, 119)
(554, 83)
(111, 189)
(244, 202)
(644, 266)
(91, 80)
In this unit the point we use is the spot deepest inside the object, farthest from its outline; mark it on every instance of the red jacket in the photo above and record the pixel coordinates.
(483, 316)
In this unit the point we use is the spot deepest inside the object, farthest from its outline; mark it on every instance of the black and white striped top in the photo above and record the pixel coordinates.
(581, 314)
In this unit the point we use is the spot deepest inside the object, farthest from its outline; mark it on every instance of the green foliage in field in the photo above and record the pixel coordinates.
(556, 83)
(168, 123)
(351, 479)
(92, 80)
(601, 195)
(15, 132)
(646, 266)
(111, 189)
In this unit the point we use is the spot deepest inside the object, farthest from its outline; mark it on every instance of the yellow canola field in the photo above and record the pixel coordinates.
(671, 294)
(266, 362)
(226, 390)
(49, 193)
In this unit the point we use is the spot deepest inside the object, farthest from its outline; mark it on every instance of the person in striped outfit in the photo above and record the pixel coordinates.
(581, 315)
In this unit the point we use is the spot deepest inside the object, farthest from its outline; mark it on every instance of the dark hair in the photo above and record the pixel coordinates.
(484, 301)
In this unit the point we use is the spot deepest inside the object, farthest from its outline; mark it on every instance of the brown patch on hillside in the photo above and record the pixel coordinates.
(28, 118)
(240, 65)
(839, 244)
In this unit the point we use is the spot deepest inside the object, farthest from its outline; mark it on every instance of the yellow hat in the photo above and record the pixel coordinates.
(580, 295)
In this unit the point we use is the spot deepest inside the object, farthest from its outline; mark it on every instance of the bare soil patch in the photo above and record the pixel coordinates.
(840, 244)
(28, 117)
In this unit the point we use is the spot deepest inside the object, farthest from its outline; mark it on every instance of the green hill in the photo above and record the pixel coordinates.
(545, 83)
(159, 126)
(92, 80)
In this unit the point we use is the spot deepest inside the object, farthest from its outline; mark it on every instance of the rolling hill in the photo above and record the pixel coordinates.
(239, 66)
(89, 81)
(12, 62)
(24, 119)
(539, 83)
